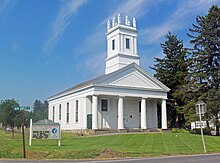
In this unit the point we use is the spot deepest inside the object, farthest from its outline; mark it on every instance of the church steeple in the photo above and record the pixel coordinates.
(121, 44)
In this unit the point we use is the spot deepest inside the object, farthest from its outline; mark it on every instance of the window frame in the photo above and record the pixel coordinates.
(139, 106)
(127, 43)
(77, 111)
(60, 112)
(101, 108)
(67, 112)
(53, 113)
(113, 44)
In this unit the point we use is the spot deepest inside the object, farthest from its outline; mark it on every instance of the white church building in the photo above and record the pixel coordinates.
(124, 98)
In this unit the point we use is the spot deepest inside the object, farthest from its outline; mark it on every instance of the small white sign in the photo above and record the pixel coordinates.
(55, 133)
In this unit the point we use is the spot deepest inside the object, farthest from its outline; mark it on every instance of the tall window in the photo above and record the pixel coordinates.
(113, 44)
(104, 105)
(139, 106)
(53, 113)
(67, 112)
(127, 43)
(60, 112)
(77, 110)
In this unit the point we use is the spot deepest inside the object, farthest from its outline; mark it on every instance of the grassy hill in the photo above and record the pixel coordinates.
(111, 146)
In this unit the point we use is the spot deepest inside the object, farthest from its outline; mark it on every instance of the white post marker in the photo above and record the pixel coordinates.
(201, 109)
(59, 141)
(30, 137)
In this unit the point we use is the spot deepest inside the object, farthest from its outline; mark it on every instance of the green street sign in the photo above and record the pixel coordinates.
(25, 107)
(17, 108)
(22, 108)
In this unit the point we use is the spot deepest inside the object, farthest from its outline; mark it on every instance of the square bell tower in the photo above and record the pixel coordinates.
(121, 44)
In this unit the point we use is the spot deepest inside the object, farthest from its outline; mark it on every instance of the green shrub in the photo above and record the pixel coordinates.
(179, 130)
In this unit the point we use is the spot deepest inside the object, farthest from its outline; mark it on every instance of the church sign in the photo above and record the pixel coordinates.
(45, 129)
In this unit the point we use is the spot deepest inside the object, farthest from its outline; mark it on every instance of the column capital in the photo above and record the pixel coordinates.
(95, 94)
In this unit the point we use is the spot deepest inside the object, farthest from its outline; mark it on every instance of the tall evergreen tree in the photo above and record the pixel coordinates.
(205, 36)
(172, 70)
(205, 70)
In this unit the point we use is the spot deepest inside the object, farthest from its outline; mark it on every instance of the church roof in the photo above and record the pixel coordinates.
(99, 79)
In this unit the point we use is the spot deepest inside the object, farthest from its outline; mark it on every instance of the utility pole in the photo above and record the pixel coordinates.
(22, 109)
(23, 135)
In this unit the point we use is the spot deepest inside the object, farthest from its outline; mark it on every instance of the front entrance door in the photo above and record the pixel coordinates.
(89, 121)
(126, 121)
(104, 121)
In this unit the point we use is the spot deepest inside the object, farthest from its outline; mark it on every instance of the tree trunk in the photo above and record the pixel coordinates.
(217, 130)
(13, 132)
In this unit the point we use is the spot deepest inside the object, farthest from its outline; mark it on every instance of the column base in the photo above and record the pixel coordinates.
(145, 130)
(122, 130)
(166, 130)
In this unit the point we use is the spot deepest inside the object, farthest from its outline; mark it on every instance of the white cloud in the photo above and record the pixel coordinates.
(67, 10)
(176, 21)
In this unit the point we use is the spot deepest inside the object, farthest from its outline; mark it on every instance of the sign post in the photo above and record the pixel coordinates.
(22, 108)
(201, 110)
(23, 135)
(30, 137)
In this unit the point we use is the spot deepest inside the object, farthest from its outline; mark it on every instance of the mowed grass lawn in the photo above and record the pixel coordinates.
(111, 146)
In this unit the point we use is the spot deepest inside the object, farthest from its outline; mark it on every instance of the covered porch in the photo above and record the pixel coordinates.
(124, 112)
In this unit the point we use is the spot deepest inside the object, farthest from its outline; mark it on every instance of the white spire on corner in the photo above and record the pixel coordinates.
(126, 20)
(119, 19)
(134, 23)
(113, 21)
(108, 25)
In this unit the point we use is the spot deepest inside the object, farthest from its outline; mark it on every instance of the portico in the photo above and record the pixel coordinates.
(126, 113)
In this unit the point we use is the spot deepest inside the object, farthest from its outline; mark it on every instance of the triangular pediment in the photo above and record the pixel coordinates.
(133, 77)
(135, 80)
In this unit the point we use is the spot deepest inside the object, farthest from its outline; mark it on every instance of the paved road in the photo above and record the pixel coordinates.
(211, 158)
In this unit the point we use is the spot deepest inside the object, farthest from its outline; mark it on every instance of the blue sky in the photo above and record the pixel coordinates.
(47, 46)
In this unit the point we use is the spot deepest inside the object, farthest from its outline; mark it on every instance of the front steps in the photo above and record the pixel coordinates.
(106, 131)
(109, 131)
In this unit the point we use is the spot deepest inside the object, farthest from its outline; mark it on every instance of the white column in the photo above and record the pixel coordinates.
(143, 114)
(122, 43)
(30, 137)
(164, 114)
(135, 45)
(119, 42)
(94, 112)
(120, 113)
